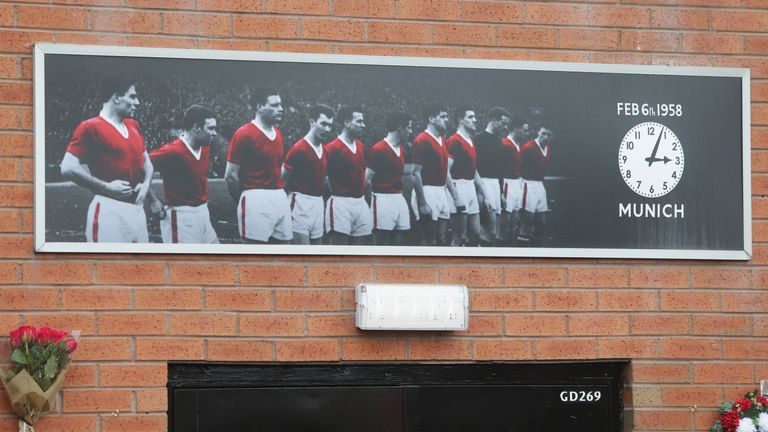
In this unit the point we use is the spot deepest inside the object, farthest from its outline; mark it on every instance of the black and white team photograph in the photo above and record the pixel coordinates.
(311, 154)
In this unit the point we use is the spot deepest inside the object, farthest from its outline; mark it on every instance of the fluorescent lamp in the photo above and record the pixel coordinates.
(411, 307)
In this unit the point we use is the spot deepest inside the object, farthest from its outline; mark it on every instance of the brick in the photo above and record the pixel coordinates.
(760, 279)
(273, 275)
(598, 277)
(661, 372)
(366, 49)
(9, 273)
(80, 375)
(65, 321)
(307, 300)
(166, 4)
(712, 43)
(431, 10)
(633, 348)
(565, 300)
(645, 396)
(9, 170)
(126, 21)
(500, 300)
(759, 164)
(420, 51)
(379, 349)
(696, 301)
(202, 274)
(690, 348)
(398, 32)
(307, 350)
(9, 68)
(134, 273)
(152, 400)
(133, 375)
(95, 298)
(403, 274)
(265, 26)
(745, 349)
(96, 400)
(556, 14)
(678, 19)
(9, 119)
(307, 7)
(503, 349)
(22, 41)
(28, 299)
(52, 17)
(15, 195)
(27, 170)
(346, 30)
(334, 275)
(205, 324)
(693, 395)
(535, 325)
(130, 423)
(497, 54)
(246, 299)
(440, 349)
(227, 44)
(129, 324)
(331, 325)
(169, 348)
(660, 324)
(662, 420)
(535, 37)
(571, 348)
(618, 16)
(364, 8)
(714, 277)
(712, 373)
(303, 47)
(760, 114)
(485, 325)
(58, 273)
(230, 5)
(740, 21)
(464, 34)
(239, 350)
(492, 12)
(90, 39)
(721, 325)
(16, 247)
(9, 222)
(760, 184)
(168, 298)
(534, 276)
(14, 144)
(591, 39)
(755, 45)
(651, 41)
(27, 220)
(272, 325)
(9, 322)
(760, 325)
(759, 92)
(161, 42)
(634, 300)
(202, 24)
(103, 348)
(472, 276)
(67, 423)
(598, 324)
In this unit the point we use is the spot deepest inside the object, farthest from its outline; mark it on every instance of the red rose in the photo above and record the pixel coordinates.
(730, 421)
(23, 334)
(744, 404)
(44, 335)
(763, 400)
(71, 345)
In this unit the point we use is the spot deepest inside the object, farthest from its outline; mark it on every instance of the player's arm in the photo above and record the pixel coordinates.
(143, 188)
(72, 169)
(369, 174)
(418, 186)
(482, 195)
(232, 177)
(452, 188)
(286, 175)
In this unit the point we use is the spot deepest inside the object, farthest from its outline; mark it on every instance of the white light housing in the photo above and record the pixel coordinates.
(411, 307)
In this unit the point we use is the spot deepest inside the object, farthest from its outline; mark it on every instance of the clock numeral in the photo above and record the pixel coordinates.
(664, 186)
(674, 174)
(628, 174)
(651, 130)
(674, 146)
(630, 145)
(651, 189)
(637, 134)
(639, 183)
(624, 159)
(664, 133)
(677, 160)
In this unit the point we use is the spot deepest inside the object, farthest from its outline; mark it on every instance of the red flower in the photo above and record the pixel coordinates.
(730, 421)
(763, 400)
(744, 404)
(71, 345)
(48, 335)
(23, 334)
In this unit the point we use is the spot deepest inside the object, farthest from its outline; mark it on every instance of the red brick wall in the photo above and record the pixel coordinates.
(695, 331)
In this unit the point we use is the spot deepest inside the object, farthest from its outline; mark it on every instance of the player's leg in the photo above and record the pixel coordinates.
(442, 231)
(474, 230)
(459, 228)
(381, 237)
(337, 221)
(428, 231)
(362, 223)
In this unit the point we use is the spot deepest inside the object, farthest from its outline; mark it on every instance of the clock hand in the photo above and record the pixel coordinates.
(666, 159)
(652, 158)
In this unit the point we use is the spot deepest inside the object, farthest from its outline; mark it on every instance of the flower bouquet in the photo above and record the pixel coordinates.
(39, 358)
(748, 414)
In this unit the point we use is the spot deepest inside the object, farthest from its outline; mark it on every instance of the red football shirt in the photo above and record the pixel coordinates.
(388, 167)
(433, 158)
(306, 168)
(259, 157)
(108, 154)
(185, 178)
(346, 170)
(464, 158)
(534, 161)
(509, 159)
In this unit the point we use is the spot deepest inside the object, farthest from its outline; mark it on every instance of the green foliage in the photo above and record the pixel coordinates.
(42, 361)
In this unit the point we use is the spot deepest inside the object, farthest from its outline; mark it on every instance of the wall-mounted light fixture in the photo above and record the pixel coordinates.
(411, 307)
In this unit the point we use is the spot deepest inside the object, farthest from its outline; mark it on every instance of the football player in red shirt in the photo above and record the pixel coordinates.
(347, 215)
(253, 173)
(434, 191)
(107, 156)
(534, 157)
(512, 188)
(384, 175)
(304, 176)
(183, 164)
(469, 186)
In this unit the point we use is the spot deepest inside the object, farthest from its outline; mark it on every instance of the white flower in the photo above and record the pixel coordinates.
(762, 421)
(746, 425)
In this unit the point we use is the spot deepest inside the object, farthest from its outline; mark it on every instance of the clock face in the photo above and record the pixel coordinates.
(651, 159)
